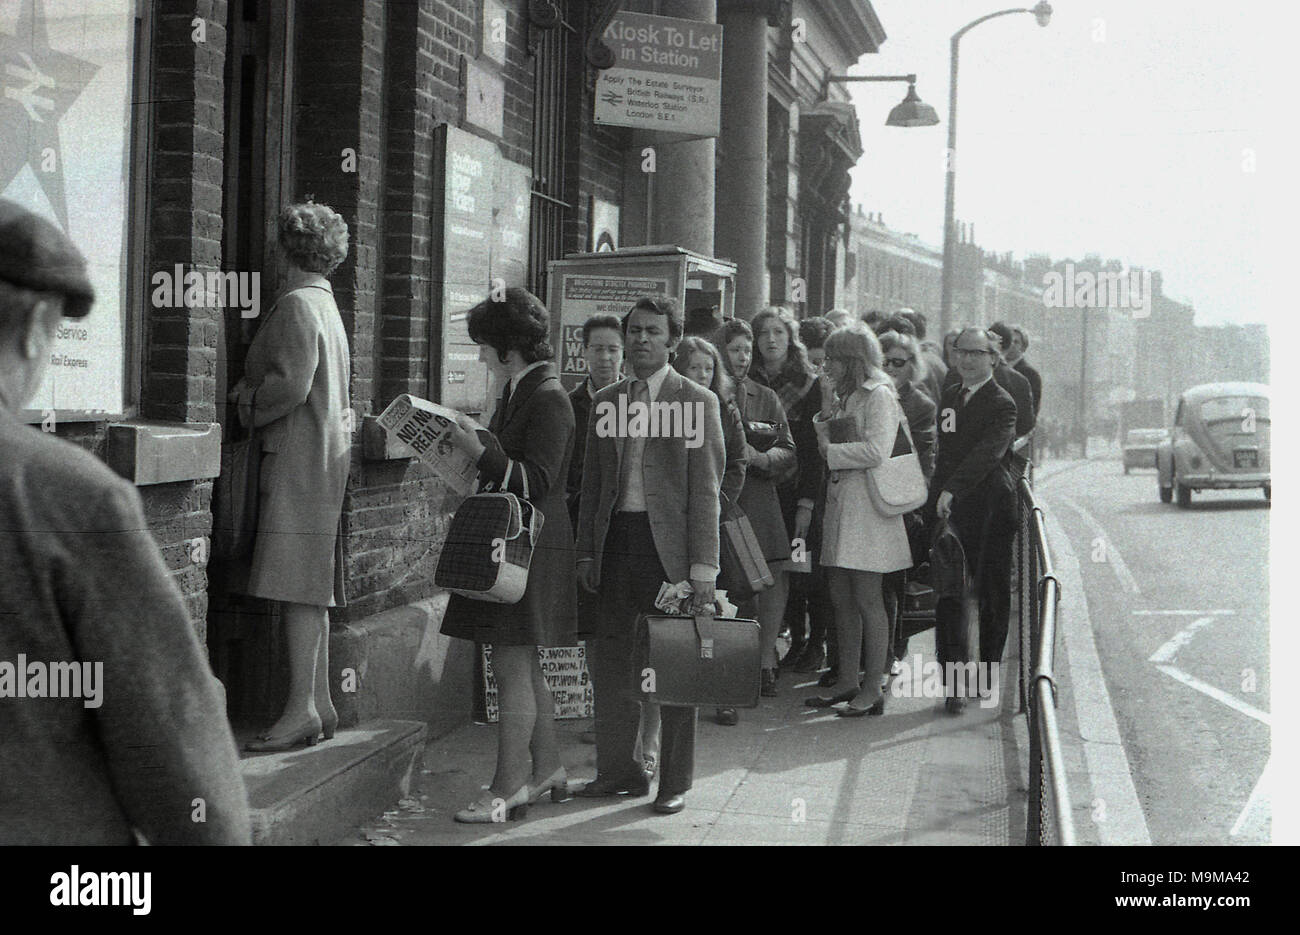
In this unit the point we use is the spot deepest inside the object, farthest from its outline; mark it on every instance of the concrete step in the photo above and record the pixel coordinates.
(314, 795)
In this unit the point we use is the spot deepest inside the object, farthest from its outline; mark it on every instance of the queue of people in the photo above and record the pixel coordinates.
(796, 416)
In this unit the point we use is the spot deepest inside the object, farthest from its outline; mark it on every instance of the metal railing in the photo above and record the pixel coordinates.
(1049, 819)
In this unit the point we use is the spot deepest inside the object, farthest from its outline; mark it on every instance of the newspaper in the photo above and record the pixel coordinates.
(424, 427)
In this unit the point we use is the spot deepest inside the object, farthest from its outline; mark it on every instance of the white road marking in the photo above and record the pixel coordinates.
(1217, 694)
(1258, 805)
(1180, 639)
(1183, 613)
(1109, 771)
(1113, 558)
(1164, 656)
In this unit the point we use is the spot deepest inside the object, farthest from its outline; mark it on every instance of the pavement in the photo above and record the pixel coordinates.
(786, 774)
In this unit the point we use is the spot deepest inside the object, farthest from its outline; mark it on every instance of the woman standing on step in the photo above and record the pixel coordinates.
(295, 389)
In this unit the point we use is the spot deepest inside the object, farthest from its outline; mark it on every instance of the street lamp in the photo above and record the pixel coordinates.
(1043, 14)
(910, 112)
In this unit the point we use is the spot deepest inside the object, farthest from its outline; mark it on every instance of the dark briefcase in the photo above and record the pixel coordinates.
(697, 662)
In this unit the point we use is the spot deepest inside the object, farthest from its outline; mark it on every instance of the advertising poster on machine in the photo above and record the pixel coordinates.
(596, 292)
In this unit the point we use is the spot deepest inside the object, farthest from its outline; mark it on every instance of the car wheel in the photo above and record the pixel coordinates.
(1268, 491)
(1166, 493)
(1183, 494)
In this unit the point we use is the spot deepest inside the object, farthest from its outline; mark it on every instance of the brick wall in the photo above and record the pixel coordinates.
(184, 223)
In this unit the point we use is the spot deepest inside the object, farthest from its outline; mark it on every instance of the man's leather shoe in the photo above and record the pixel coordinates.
(728, 717)
(829, 677)
(955, 705)
(601, 787)
(670, 805)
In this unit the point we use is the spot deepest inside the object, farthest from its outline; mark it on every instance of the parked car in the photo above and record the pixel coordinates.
(1219, 440)
(1140, 447)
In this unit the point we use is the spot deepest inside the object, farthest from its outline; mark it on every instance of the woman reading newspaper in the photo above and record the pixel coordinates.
(525, 451)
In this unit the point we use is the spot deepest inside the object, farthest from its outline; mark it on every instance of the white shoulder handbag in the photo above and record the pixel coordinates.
(897, 484)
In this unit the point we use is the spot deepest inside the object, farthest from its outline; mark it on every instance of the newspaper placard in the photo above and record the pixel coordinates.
(425, 427)
(565, 669)
(584, 295)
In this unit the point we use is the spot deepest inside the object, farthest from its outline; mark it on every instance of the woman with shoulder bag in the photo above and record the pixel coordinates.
(856, 430)
(525, 451)
(295, 390)
(906, 365)
(772, 462)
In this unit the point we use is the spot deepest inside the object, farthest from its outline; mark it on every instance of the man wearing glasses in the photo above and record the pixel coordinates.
(972, 489)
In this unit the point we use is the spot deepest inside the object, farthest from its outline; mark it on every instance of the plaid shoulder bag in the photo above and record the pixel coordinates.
(490, 546)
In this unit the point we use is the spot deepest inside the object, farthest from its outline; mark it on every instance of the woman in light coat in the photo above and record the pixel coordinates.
(859, 544)
(295, 389)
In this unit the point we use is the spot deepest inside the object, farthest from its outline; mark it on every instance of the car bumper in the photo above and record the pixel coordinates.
(1224, 481)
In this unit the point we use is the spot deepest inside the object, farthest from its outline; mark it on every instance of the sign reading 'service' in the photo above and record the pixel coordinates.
(667, 75)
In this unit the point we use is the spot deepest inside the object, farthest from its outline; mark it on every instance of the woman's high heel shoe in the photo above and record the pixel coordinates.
(309, 734)
(328, 725)
(492, 808)
(817, 701)
(557, 784)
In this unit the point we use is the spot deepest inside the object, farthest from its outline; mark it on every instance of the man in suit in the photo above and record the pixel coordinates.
(135, 734)
(1017, 388)
(649, 514)
(972, 489)
(935, 369)
(602, 349)
(1016, 358)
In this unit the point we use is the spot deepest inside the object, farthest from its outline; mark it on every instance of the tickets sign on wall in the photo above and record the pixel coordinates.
(65, 118)
(667, 75)
(486, 210)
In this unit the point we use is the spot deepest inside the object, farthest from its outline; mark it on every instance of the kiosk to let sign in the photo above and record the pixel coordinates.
(667, 75)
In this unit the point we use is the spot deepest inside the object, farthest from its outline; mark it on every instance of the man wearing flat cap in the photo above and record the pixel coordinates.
(112, 726)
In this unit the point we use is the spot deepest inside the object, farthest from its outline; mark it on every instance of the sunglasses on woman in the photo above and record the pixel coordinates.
(897, 362)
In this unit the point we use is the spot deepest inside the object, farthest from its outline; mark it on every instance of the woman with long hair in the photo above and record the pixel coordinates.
(771, 461)
(906, 366)
(698, 360)
(855, 432)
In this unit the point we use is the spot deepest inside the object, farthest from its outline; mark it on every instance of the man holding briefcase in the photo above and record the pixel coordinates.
(649, 515)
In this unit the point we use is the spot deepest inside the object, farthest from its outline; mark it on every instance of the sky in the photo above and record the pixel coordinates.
(1132, 129)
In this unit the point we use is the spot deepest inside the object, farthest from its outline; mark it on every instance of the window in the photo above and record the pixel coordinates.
(552, 52)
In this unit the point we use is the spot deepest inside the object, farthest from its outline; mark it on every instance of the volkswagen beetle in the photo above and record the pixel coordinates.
(1219, 440)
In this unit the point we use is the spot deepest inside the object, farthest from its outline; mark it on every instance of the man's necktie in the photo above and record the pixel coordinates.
(634, 445)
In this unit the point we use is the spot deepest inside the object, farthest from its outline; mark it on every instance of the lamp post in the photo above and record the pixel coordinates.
(910, 112)
(1043, 14)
